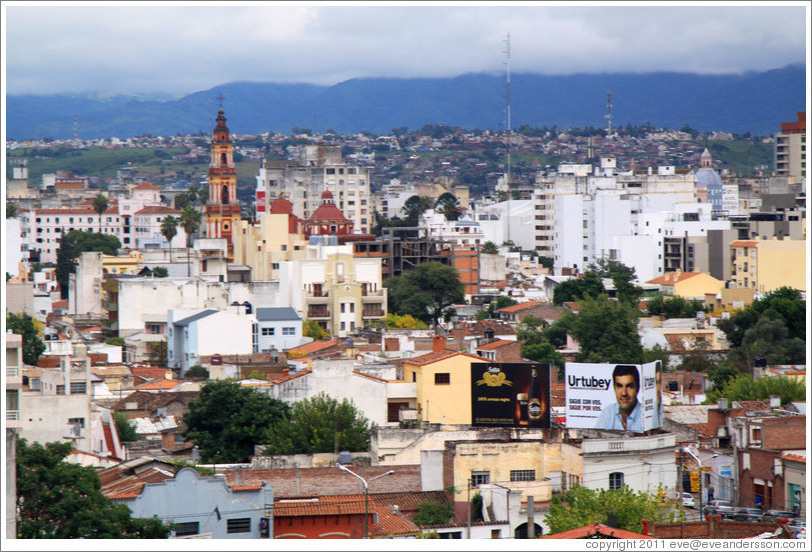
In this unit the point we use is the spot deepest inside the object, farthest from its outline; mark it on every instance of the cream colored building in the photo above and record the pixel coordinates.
(264, 245)
(340, 292)
(766, 265)
(689, 285)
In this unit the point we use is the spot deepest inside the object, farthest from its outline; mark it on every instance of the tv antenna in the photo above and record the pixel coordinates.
(608, 115)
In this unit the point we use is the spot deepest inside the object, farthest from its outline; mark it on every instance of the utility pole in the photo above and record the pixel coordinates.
(469, 508)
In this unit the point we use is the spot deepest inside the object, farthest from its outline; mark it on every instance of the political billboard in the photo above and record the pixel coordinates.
(624, 397)
(510, 394)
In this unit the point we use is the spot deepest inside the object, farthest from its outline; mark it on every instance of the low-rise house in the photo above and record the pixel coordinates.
(279, 329)
(204, 506)
(517, 313)
(689, 285)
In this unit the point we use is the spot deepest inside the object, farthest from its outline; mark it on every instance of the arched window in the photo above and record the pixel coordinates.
(224, 159)
(224, 195)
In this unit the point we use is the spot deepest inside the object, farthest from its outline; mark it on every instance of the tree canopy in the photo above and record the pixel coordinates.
(226, 420)
(674, 307)
(393, 320)
(606, 331)
(311, 328)
(125, 427)
(622, 277)
(31, 331)
(773, 326)
(425, 292)
(100, 205)
(73, 244)
(576, 289)
(62, 500)
(320, 424)
(579, 506)
(414, 207)
(493, 307)
(745, 387)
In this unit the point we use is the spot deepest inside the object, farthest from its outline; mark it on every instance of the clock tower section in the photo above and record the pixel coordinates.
(222, 209)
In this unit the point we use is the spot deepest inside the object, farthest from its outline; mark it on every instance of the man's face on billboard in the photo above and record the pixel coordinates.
(626, 392)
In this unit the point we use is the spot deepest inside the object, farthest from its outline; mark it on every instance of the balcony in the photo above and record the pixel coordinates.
(12, 415)
(316, 314)
(373, 313)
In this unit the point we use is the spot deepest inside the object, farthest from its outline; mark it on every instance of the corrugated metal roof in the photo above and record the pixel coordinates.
(276, 314)
(189, 319)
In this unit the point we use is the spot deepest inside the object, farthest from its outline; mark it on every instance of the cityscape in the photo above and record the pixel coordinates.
(433, 333)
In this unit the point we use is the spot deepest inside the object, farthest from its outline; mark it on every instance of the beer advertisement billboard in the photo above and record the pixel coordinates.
(625, 397)
(510, 394)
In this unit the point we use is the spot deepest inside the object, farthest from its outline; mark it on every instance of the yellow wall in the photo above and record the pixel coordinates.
(499, 458)
(697, 286)
(122, 265)
(781, 263)
(261, 245)
(444, 403)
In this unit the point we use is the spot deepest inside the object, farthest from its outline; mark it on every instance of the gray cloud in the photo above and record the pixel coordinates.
(184, 48)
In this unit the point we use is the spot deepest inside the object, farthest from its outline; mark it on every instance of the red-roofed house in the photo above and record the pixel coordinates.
(500, 350)
(517, 313)
(690, 285)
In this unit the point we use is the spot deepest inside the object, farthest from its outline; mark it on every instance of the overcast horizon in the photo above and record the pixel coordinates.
(180, 49)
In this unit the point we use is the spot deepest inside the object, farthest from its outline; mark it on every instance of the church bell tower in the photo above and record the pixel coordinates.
(222, 209)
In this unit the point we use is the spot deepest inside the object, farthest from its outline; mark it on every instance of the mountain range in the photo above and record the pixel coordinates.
(755, 102)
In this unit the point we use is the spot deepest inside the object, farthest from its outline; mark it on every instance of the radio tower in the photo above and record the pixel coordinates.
(608, 115)
(75, 128)
(507, 128)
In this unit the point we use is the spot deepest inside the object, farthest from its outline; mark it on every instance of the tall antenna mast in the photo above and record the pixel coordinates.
(75, 128)
(608, 115)
(507, 128)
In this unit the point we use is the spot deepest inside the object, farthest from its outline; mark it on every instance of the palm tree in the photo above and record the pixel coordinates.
(414, 207)
(449, 205)
(100, 205)
(490, 248)
(169, 229)
(190, 221)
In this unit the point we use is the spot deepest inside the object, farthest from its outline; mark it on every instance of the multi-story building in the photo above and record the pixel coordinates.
(329, 285)
(766, 265)
(303, 179)
(147, 223)
(790, 149)
(42, 229)
(13, 379)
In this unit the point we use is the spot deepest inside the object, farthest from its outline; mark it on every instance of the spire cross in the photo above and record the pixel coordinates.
(220, 98)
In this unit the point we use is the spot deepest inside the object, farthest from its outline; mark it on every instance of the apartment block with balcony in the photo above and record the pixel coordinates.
(790, 149)
(766, 265)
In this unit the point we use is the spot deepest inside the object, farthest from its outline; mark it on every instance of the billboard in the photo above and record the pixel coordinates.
(625, 397)
(510, 394)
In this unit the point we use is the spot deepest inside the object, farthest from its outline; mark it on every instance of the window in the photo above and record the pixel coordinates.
(289, 331)
(480, 478)
(78, 387)
(187, 528)
(522, 475)
(574, 479)
(268, 331)
(238, 525)
(615, 480)
(77, 421)
(442, 378)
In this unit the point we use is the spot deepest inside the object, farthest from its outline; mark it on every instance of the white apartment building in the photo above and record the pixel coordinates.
(507, 221)
(146, 228)
(642, 463)
(463, 233)
(195, 333)
(304, 178)
(41, 229)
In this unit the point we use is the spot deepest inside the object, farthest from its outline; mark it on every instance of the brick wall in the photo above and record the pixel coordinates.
(297, 482)
(711, 529)
(784, 433)
(762, 464)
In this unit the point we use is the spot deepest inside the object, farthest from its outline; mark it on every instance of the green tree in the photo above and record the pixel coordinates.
(57, 499)
(543, 352)
(579, 506)
(73, 244)
(490, 248)
(674, 307)
(227, 420)
(160, 272)
(197, 371)
(320, 424)
(311, 328)
(622, 277)
(606, 331)
(783, 304)
(100, 205)
(768, 334)
(157, 352)
(406, 321)
(31, 331)
(426, 292)
(577, 289)
(11, 210)
(449, 205)
(117, 341)
(190, 221)
(433, 513)
(658, 352)
(416, 206)
(169, 229)
(494, 306)
(125, 428)
(745, 387)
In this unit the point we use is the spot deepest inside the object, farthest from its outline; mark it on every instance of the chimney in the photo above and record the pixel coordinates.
(438, 344)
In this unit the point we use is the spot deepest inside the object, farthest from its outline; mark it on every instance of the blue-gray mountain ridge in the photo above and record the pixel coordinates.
(755, 102)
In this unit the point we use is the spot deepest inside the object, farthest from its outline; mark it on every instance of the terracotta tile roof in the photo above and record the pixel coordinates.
(705, 431)
(410, 500)
(431, 358)
(159, 384)
(150, 372)
(597, 529)
(521, 306)
(152, 401)
(494, 345)
(572, 305)
(117, 483)
(794, 457)
(91, 329)
(158, 210)
(146, 186)
(246, 487)
(670, 278)
(322, 506)
(744, 243)
(753, 405)
(312, 347)
(61, 304)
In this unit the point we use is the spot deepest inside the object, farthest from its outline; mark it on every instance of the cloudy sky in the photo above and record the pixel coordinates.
(183, 48)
